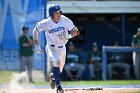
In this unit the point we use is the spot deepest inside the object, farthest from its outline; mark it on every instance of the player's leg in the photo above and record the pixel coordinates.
(125, 66)
(91, 68)
(68, 70)
(53, 53)
(136, 65)
(110, 68)
(81, 68)
(139, 63)
(29, 68)
(22, 64)
(62, 58)
(50, 55)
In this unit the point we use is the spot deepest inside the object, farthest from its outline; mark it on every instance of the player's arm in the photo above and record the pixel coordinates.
(75, 32)
(35, 36)
(71, 27)
(40, 26)
(30, 40)
(23, 43)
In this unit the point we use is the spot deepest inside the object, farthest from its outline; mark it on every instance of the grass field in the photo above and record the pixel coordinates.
(5, 77)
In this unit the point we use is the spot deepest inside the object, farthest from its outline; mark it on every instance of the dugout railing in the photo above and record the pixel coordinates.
(106, 49)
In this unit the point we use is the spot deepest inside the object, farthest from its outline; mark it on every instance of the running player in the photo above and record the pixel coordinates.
(58, 29)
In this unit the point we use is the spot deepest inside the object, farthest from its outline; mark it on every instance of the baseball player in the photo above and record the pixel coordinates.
(136, 55)
(58, 29)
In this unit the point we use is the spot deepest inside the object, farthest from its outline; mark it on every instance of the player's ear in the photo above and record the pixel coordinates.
(51, 14)
(61, 12)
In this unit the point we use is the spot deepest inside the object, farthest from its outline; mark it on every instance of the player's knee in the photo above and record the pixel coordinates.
(56, 63)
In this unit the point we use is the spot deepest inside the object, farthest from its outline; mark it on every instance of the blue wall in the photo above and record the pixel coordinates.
(14, 14)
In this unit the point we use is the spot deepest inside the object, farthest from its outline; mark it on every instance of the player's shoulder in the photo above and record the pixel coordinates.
(21, 37)
(64, 18)
(44, 22)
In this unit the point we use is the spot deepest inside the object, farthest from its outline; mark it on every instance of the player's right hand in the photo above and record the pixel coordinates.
(38, 49)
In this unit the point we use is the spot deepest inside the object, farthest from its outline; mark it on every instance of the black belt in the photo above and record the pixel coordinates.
(54, 46)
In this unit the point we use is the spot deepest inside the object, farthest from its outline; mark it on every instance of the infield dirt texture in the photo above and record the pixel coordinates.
(105, 90)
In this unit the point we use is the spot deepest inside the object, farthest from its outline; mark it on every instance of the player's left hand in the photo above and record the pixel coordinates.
(38, 49)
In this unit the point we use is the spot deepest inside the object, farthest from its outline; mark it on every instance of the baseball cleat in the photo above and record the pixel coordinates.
(52, 81)
(31, 81)
(60, 91)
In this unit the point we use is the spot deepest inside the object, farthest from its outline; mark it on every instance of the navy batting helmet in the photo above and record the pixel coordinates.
(54, 8)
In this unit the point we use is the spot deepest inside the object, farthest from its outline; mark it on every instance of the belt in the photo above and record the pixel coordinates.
(55, 46)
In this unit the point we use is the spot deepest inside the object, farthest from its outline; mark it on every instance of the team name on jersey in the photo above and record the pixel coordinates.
(56, 29)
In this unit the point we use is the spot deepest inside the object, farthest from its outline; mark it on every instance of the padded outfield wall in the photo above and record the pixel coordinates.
(14, 14)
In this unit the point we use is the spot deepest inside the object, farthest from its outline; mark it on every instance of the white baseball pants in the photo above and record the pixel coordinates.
(57, 55)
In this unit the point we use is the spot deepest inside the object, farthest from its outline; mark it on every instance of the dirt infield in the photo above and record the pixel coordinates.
(105, 90)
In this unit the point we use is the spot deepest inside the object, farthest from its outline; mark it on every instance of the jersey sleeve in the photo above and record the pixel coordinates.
(21, 41)
(70, 25)
(42, 25)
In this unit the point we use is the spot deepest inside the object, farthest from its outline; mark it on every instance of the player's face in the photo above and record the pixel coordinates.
(71, 48)
(25, 31)
(56, 16)
(95, 49)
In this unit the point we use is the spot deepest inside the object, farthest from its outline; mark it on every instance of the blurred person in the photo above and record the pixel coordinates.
(73, 63)
(117, 60)
(136, 55)
(94, 62)
(58, 30)
(26, 53)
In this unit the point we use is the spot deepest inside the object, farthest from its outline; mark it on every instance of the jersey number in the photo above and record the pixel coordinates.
(63, 33)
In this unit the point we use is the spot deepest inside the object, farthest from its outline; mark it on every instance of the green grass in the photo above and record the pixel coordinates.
(5, 77)
(108, 82)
